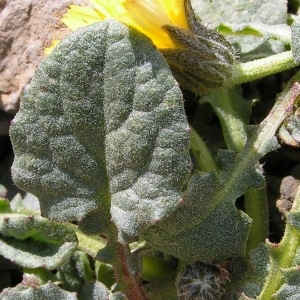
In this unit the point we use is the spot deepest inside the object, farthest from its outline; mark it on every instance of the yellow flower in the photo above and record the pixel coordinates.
(147, 16)
(201, 59)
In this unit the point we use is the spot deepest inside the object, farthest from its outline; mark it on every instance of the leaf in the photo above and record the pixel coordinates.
(17, 205)
(104, 273)
(207, 226)
(32, 241)
(98, 291)
(117, 296)
(248, 276)
(4, 206)
(207, 220)
(280, 32)
(75, 272)
(296, 39)
(102, 127)
(291, 289)
(241, 12)
(49, 291)
(94, 291)
(244, 13)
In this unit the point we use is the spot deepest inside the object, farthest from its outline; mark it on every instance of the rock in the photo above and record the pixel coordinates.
(288, 190)
(27, 27)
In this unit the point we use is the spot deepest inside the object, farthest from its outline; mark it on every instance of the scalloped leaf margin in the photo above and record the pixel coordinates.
(102, 127)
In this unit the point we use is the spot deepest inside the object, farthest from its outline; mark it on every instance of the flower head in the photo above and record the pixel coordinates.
(147, 16)
(201, 59)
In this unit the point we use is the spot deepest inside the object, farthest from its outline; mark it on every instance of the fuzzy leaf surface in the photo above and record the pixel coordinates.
(102, 128)
(48, 291)
(291, 289)
(94, 291)
(207, 226)
(76, 272)
(235, 13)
(32, 241)
(296, 39)
(248, 275)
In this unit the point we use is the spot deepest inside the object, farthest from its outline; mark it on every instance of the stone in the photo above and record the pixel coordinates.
(27, 27)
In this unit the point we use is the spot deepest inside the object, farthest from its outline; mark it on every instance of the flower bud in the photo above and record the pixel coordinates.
(203, 58)
(201, 281)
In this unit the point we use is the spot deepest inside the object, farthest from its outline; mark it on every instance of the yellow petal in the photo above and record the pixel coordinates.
(147, 16)
(49, 49)
(78, 16)
(151, 15)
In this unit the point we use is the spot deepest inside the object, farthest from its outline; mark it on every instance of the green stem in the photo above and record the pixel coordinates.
(257, 209)
(201, 152)
(259, 68)
(89, 244)
(282, 256)
(233, 112)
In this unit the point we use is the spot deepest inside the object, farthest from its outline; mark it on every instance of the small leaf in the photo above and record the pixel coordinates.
(48, 291)
(207, 226)
(117, 296)
(32, 241)
(291, 289)
(102, 127)
(217, 228)
(94, 291)
(4, 206)
(293, 217)
(248, 276)
(296, 39)
(268, 12)
(74, 273)
(17, 206)
(105, 273)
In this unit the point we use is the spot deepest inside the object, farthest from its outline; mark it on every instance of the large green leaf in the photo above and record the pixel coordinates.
(102, 128)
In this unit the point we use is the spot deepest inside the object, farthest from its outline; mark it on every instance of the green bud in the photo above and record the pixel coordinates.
(204, 58)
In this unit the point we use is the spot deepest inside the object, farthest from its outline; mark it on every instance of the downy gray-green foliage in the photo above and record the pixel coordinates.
(102, 140)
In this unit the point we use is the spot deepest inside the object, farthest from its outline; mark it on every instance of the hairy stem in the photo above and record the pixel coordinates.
(201, 152)
(124, 273)
(259, 68)
(119, 256)
(282, 256)
(257, 209)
